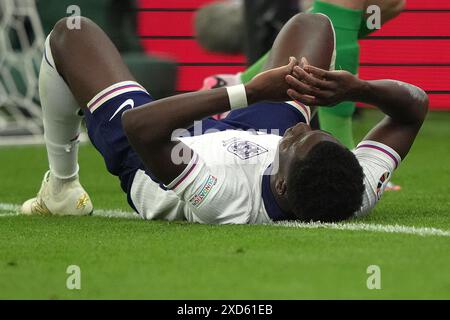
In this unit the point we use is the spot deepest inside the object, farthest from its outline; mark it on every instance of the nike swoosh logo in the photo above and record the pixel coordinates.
(129, 102)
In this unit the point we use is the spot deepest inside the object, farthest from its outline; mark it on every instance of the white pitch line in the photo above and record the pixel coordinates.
(9, 207)
(13, 210)
(116, 214)
(5, 215)
(418, 231)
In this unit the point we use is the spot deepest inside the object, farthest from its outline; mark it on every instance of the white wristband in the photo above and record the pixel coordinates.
(237, 97)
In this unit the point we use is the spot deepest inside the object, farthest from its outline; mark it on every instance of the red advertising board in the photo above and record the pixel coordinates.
(415, 47)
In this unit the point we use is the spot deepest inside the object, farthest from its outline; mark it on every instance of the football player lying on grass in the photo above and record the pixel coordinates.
(262, 163)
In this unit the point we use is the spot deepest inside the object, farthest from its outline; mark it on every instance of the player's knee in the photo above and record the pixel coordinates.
(312, 21)
(58, 32)
(65, 32)
(312, 18)
(66, 27)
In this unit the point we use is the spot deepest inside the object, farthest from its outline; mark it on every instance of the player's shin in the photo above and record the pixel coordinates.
(61, 119)
(60, 192)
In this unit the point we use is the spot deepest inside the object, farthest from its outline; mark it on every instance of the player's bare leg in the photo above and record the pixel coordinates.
(77, 65)
(87, 59)
(305, 35)
(389, 10)
(309, 36)
(339, 125)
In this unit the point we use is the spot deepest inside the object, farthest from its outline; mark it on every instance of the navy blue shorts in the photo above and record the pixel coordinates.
(105, 130)
(270, 117)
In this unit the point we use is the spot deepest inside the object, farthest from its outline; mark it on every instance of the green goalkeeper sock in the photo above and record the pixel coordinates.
(255, 69)
(347, 22)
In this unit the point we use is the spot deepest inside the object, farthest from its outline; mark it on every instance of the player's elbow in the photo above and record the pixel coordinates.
(140, 129)
(418, 104)
(422, 104)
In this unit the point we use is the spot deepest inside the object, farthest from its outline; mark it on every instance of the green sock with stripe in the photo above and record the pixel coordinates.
(347, 22)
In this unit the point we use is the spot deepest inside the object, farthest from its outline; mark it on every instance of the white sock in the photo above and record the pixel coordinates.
(61, 119)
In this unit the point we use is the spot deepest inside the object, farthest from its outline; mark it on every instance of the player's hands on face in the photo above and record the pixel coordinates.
(316, 87)
(271, 85)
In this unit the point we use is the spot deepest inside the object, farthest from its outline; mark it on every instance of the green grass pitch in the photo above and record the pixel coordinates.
(134, 259)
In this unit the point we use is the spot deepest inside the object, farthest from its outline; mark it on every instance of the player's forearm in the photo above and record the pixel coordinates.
(157, 121)
(153, 124)
(403, 102)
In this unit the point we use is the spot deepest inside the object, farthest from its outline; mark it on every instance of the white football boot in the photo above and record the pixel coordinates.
(59, 197)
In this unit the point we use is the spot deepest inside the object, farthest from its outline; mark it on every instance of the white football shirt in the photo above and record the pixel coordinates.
(222, 184)
(379, 162)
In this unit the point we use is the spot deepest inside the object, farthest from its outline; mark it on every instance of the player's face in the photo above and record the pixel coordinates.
(298, 141)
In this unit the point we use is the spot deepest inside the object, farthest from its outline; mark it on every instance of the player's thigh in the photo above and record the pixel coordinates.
(87, 59)
(305, 35)
(104, 126)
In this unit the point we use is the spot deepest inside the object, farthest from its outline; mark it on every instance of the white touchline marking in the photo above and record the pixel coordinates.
(419, 231)
(4, 215)
(116, 214)
(9, 210)
(9, 207)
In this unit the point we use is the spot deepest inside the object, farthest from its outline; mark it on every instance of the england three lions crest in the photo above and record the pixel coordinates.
(244, 149)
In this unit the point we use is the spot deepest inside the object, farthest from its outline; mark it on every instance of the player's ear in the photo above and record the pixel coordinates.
(281, 187)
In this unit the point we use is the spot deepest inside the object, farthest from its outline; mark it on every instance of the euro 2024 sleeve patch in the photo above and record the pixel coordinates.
(382, 183)
(203, 191)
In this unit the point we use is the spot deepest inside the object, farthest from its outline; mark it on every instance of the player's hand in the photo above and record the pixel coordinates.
(271, 85)
(316, 87)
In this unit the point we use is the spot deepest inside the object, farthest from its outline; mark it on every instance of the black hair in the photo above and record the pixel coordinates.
(327, 185)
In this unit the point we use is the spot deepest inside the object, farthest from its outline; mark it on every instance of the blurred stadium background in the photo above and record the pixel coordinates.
(409, 47)
(158, 41)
